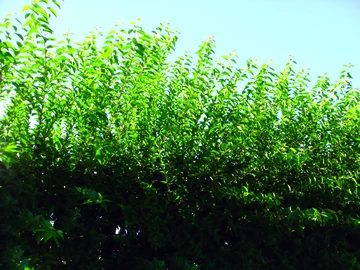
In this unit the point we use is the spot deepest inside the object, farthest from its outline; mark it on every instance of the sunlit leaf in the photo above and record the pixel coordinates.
(25, 8)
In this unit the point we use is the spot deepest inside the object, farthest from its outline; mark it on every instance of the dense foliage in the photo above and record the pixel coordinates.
(113, 156)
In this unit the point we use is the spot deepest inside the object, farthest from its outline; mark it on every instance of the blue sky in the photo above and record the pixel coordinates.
(321, 34)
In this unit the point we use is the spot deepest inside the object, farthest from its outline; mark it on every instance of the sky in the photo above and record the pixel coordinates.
(321, 34)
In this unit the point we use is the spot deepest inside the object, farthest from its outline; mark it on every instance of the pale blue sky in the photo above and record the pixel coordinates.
(321, 34)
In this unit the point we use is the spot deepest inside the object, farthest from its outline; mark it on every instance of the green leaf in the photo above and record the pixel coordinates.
(28, 22)
(8, 148)
(60, 234)
(20, 36)
(56, 3)
(93, 195)
(56, 241)
(107, 53)
(99, 156)
(33, 29)
(25, 8)
(53, 11)
(47, 236)
(44, 20)
(47, 29)
(8, 45)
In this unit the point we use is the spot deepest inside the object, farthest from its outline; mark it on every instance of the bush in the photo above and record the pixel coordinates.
(114, 156)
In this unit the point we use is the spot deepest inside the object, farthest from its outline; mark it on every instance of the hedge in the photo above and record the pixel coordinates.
(114, 156)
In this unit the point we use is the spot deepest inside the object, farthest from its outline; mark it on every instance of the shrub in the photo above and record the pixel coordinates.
(120, 157)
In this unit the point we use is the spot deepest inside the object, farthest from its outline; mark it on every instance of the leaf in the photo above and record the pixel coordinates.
(99, 156)
(93, 195)
(140, 49)
(43, 19)
(33, 29)
(25, 8)
(28, 22)
(56, 3)
(56, 241)
(47, 29)
(43, 12)
(53, 11)
(107, 54)
(20, 36)
(48, 235)
(9, 148)
(60, 234)
(8, 45)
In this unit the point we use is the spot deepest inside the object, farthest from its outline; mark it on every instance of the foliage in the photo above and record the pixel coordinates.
(121, 158)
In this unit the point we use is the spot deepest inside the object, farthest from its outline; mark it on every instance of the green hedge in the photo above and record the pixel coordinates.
(113, 156)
